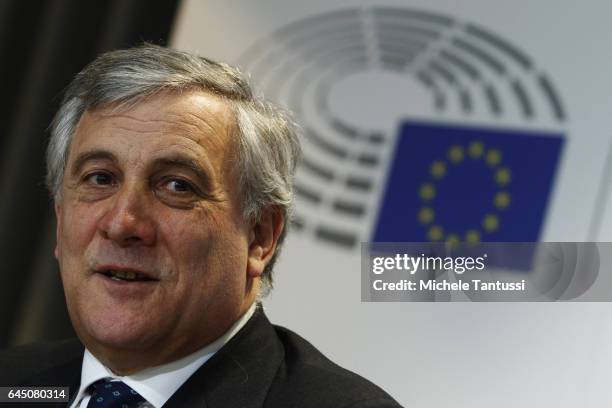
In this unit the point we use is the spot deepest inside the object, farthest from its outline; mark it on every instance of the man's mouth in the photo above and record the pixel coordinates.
(128, 276)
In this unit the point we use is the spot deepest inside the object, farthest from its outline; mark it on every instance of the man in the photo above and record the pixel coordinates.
(172, 185)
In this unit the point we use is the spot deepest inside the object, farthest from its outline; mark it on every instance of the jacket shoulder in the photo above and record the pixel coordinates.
(308, 378)
(19, 364)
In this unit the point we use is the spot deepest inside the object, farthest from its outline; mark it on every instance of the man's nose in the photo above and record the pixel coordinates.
(129, 220)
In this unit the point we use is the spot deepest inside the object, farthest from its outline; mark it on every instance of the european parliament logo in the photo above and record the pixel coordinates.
(477, 158)
(463, 184)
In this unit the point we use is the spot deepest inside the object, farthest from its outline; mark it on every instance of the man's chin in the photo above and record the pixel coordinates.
(120, 334)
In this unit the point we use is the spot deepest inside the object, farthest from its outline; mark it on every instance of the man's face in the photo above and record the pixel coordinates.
(150, 193)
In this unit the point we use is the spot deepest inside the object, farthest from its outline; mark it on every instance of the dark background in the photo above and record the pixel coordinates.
(42, 46)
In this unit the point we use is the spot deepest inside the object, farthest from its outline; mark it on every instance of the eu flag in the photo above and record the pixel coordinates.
(467, 184)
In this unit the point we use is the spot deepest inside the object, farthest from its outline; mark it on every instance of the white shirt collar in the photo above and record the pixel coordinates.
(156, 384)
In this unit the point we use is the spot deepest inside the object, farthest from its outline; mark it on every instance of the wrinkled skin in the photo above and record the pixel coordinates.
(153, 190)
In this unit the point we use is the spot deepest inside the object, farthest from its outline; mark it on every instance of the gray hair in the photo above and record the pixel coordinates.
(268, 146)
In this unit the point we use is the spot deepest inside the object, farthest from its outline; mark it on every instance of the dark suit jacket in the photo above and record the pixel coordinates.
(261, 366)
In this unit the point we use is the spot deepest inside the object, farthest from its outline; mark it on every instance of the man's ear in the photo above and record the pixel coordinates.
(58, 221)
(263, 238)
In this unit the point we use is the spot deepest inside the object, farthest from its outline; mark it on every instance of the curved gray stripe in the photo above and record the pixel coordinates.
(376, 138)
(399, 50)
(320, 97)
(324, 144)
(349, 208)
(351, 132)
(333, 56)
(443, 72)
(423, 16)
(306, 193)
(306, 47)
(403, 43)
(344, 69)
(466, 100)
(297, 223)
(280, 76)
(396, 62)
(330, 17)
(297, 92)
(270, 78)
(439, 99)
(425, 79)
(252, 53)
(344, 129)
(346, 66)
(307, 53)
(349, 30)
(407, 54)
(286, 32)
(322, 42)
(493, 100)
(501, 44)
(271, 63)
(460, 63)
(368, 159)
(352, 62)
(333, 48)
(551, 94)
(317, 169)
(268, 64)
(274, 78)
(346, 239)
(523, 99)
(347, 63)
(394, 66)
(357, 183)
(345, 51)
(385, 27)
(483, 56)
(330, 60)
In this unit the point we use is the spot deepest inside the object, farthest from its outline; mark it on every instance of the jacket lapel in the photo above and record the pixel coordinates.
(239, 374)
(65, 375)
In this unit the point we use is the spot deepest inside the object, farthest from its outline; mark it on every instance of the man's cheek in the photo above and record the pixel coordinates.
(79, 230)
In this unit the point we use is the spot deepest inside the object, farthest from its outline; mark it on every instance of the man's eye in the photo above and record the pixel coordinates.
(100, 179)
(178, 192)
(179, 186)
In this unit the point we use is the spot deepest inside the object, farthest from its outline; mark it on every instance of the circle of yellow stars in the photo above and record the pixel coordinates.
(438, 169)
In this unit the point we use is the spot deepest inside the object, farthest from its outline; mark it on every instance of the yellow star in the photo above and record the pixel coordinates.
(494, 157)
(435, 233)
(438, 169)
(472, 237)
(475, 150)
(426, 215)
(503, 176)
(490, 223)
(501, 200)
(427, 192)
(452, 241)
(455, 154)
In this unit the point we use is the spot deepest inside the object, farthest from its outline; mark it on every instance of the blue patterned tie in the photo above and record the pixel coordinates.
(113, 394)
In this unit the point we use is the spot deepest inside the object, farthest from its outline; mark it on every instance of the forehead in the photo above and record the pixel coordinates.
(163, 121)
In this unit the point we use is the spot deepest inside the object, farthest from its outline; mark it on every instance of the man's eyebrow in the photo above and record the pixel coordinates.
(86, 156)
